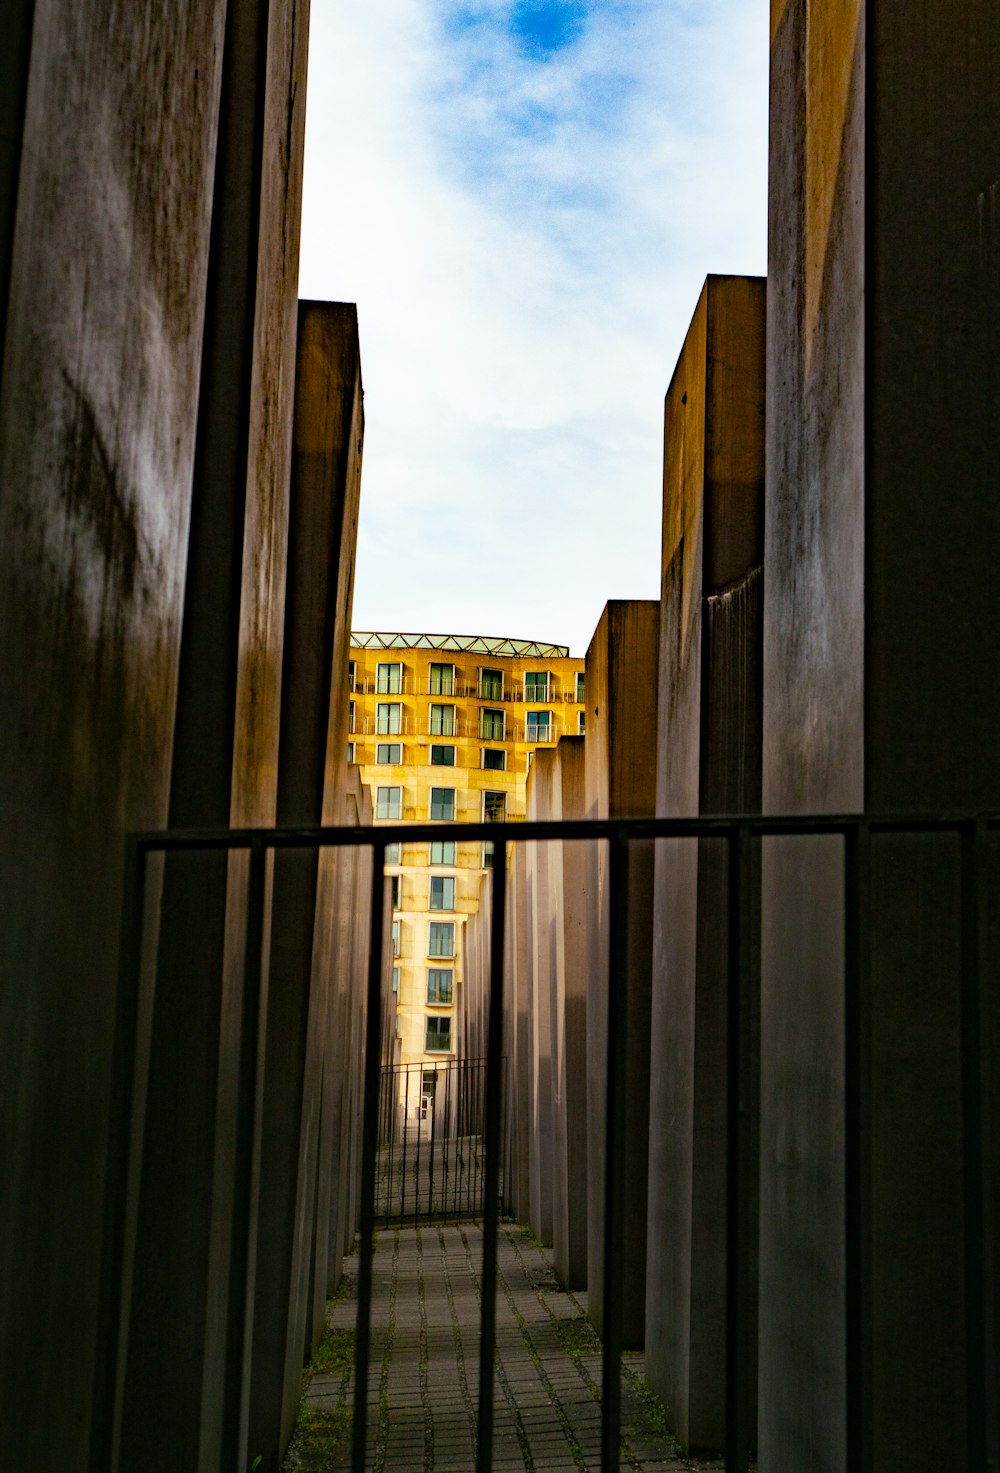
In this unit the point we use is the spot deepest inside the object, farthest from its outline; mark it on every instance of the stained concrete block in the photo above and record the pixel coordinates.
(312, 772)
(557, 791)
(107, 146)
(194, 1222)
(708, 762)
(881, 528)
(621, 684)
(543, 919)
(517, 1189)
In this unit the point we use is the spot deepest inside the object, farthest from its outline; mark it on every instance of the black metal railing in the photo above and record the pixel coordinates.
(742, 838)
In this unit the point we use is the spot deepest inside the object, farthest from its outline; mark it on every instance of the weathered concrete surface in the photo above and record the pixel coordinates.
(560, 775)
(882, 525)
(620, 783)
(101, 365)
(194, 1222)
(708, 762)
(544, 907)
(312, 772)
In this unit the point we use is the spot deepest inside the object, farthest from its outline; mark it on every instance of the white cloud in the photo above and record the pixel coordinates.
(525, 243)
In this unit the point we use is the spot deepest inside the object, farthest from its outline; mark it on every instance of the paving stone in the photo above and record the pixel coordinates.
(423, 1386)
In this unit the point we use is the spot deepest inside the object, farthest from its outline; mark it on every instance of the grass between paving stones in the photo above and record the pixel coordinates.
(321, 1433)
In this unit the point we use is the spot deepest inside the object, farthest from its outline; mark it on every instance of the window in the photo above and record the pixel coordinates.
(442, 721)
(442, 680)
(580, 686)
(352, 674)
(351, 717)
(442, 756)
(392, 853)
(441, 938)
(538, 726)
(395, 979)
(442, 893)
(438, 1038)
(443, 803)
(389, 752)
(487, 854)
(442, 851)
(388, 717)
(350, 751)
(491, 724)
(581, 722)
(491, 685)
(494, 807)
(395, 938)
(388, 802)
(536, 685)
(394, 886)
(494, 759)
(439, 985)
(389, 679)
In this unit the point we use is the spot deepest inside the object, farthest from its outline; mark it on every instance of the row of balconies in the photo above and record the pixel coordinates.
(459, 690)
(412, 725)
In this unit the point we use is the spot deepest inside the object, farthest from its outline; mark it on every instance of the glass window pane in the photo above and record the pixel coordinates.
(538, 724)
(388, 717)
(442, 721)
(441, 895)
(443, 804)
(536, 685)
(494, 759)
(439, 985)
(580, 687)
(441, 939)
(388, 802)
(442, 680)
(491, 722)
(392, 853)
(494, 807)
(395, 938)
(438, 1036)
(442, 851)
(442, 756)
(389, 752)
(491, 685)
(388, 679)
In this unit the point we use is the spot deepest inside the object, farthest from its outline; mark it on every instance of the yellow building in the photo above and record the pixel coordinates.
(444, 727)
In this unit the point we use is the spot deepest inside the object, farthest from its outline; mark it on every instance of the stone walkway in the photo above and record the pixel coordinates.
(423, 1383)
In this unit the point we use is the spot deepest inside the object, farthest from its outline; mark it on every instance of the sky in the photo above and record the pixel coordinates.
(524, 200)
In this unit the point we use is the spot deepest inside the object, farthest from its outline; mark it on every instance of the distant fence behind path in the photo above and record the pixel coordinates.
(430, 1163)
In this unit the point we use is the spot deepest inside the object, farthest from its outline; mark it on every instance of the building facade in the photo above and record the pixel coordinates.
(444, 727)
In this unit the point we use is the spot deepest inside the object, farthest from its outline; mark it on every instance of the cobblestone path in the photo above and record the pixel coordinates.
(423, 1381)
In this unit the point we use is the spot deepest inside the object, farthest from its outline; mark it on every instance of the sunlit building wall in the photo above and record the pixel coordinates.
(443, 728)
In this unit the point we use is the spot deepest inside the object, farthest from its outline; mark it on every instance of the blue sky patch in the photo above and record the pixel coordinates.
(544, 27)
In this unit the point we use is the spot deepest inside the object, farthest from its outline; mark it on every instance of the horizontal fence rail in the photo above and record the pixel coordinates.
(468, 1095)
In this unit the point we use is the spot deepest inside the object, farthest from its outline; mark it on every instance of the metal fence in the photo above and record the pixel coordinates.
(431, 1161)
(741, 838)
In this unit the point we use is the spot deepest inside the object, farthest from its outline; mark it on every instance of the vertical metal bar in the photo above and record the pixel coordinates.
(406, 1137)
(980, 1288)
(739, 1006)
(117, 1185)
(614, 1154)
(433, 1142)
(253, 1011)
(491, 1203)
(369, 1147)
(857, 1105)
